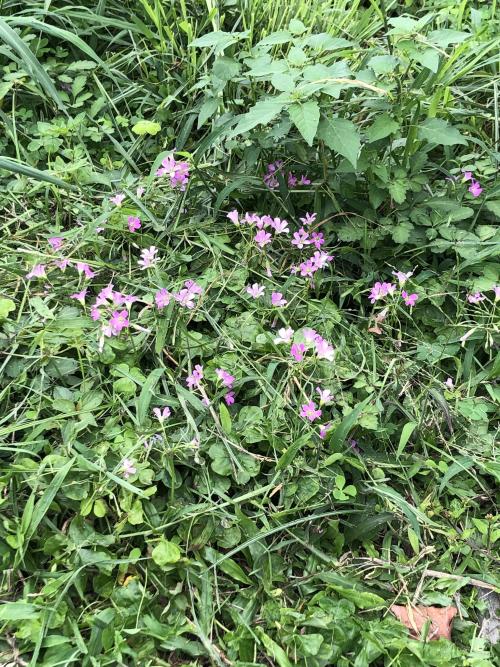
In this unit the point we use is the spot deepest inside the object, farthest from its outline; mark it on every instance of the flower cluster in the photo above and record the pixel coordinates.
(186, 297)
(106, 308)
(275, 168)
(178, 172)
(381, 290)
(313, 341)
(474, 188)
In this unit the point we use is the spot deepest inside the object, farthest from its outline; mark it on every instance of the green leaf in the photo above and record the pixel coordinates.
(362, 599)
(283, 82)
(30, 63)
(339, 434)
(405, 436)
(207, 110)
(225, 419)
(438, 131)
(232, 569)
(273, 650)
(383, 64)
(342, 136)
(18, 611)
(16, 167)
(383, 126)
(225, 68)
(305, 118)
(165, 553)
(143, 127)
(6, 306)
(147, 394)
(261, 113)
(296, 27)
(401, 233)
(219, 39)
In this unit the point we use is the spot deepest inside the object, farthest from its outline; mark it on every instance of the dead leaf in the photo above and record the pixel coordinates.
(414, 618)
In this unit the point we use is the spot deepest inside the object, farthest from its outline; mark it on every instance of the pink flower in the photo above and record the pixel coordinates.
(467, 175)
(56, 242)
(449, 384)
(61, 263)
(128, 468)
(402, 277)
(292, 180)
(262, 238)
(255, 290)
(323, 349)
(80, 296)
(308, 219)
(229, 398)
(379, 290)
(310, 335)
(317, 239)
(194, 380)
(177, 171)
(252, 218)
(284, 336)
(226, 378)
(308, 268)
(95, 313)
(277, 299)
(321, 259)
(325, 395)
(323, 430)
(496, 289)
(300, 238)
(409, 299)
(134, 223)
(82, 267)
(476, 298)
(304, 180)
(161, 415)
(297, 351)
(475, 189)
(118, 321)
(309, 411)
(162, 298)
(234, 217)
(117, 199)
(280, 226)
(193, 287)
(148, 257)
(139, 192)
(38, 271)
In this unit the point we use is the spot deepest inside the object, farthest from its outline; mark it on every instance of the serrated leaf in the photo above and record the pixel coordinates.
(283, 82)
(438, 131)
(305, 118)
(342, 136)
(383, 126)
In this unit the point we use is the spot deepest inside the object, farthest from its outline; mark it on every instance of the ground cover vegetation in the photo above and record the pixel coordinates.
(249, 310)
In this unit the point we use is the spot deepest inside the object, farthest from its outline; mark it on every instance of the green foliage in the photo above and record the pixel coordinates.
(224, 532)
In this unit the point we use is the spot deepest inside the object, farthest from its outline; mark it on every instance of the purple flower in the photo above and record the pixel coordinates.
(38, 271)
(300, 238)
(82, 267)
(380, 290)
(309, 411)
(56, 242)
(308, 219)
(139, 192)
(321, 259)
(229, 398)
(80, 296)
(162, 298)
(277, 299)
(317, 239)
(325, 395)
(194, 380)
(409, 299)
(402, 277)
(255, 290)
(148, 257)
(304, 180)
(226, 378)
(118, 321)
(284, 336)
(280, 226)
(134, 223)
(95, 313)
(177, 171)
(117, 199)
(475, 189)
(233, 216)
(323, 349)
(297, 351)
(262, 238)
(476, 298)
(161, 415)
(128, 468)
(468, 176)
(61, 263)
(323, 430)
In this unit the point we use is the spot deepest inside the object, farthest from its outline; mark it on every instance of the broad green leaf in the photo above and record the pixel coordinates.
(232, 569)
(283, 82)
(362, 599)
(261, 113)
(438, 131)
(18, 611)
(406, 432)
(143, 127)
(225, 68)
(207, 110)
(225, 419)
(342, 136)
(6, 306)
(273, 650)
(305, 118)
(219, 39)
(296, 27)
(383, 126)
(147, 394)
(165, 553)
(279, 37)
(383, 64)
(340, 433)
